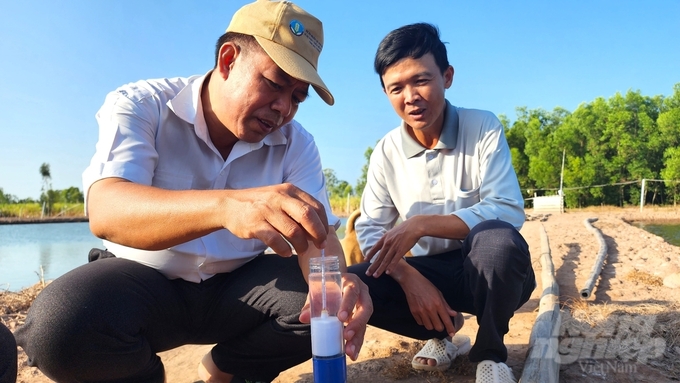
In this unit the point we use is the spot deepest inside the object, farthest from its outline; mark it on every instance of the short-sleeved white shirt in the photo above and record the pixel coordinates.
(469, 173)
(153, 133)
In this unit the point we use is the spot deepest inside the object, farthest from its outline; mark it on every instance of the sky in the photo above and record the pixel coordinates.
(59, 59)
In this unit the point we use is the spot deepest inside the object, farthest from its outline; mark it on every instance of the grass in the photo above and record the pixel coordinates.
(34, 210)
(644, 278)
(400, 368)
(342, 207)
(13, 306)
(610, 319)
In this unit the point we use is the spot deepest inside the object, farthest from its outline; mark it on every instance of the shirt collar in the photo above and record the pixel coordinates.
(187, 105)
(447, 138)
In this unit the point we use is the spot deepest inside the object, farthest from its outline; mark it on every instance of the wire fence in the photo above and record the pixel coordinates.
(664, 194)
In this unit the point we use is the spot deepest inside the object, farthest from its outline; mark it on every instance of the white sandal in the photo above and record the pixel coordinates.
(443, 351)
(489, 371)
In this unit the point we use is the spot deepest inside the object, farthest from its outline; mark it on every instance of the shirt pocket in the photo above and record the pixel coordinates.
(172, 181)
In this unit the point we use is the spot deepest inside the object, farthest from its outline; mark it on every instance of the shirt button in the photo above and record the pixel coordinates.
(434, 182)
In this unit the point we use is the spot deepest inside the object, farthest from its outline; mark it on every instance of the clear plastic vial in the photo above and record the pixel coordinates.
(325, 287)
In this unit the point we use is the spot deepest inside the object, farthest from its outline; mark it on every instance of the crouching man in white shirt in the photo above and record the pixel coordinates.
(446, 172)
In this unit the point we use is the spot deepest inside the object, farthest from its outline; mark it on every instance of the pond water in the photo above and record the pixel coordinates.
(28, 251)
(52, 249)
(669, 232)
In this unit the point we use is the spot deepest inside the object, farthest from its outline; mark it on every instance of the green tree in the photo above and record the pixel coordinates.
(669, 127)
(331, 180)
(541, 162)
(71, 195)
(361, 182)
(632, 137)
(334, 186)
(669, 119)
(47, 195)
(617, 140)
(348, 189)
(671, 172)
(581, 138)
(669, 130)
(343, 188)
(515, 135)
(7, 198)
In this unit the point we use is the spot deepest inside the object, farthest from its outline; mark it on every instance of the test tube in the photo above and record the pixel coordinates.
(328, 351)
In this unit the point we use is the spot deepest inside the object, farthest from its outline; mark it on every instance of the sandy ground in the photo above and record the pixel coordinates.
(630, 291)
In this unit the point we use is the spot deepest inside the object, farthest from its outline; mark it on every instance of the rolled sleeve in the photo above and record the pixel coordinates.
(126, 147)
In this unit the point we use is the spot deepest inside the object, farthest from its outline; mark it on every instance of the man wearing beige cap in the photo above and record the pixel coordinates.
(192, 180)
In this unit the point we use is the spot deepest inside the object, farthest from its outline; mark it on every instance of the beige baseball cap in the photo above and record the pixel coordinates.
(291, 37)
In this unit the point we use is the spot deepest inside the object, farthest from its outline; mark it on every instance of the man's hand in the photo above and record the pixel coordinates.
(151, 218)
(393, 245)
(276, 214)
(355, 310)
(426, 302)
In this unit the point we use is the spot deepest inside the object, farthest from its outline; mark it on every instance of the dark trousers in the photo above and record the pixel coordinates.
(8, 356)
(106, 320)
(490, 277)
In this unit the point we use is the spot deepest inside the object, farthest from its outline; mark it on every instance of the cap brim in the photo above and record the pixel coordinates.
(296, 66)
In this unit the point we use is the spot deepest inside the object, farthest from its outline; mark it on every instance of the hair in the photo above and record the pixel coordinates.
(415, 41)
(240, 39)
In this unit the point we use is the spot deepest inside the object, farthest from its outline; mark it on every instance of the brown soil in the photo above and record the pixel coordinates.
(630, 304)
(25, 220)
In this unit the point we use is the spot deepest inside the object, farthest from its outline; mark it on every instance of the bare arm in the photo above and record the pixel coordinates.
(151, 218)
(400, 239)
(333, 248)
(426, 302)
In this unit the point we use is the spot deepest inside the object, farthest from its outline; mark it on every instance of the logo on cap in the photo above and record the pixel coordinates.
(297, 28)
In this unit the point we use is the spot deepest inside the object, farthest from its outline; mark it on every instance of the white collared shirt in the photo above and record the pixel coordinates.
(469, 173)
(153, 133)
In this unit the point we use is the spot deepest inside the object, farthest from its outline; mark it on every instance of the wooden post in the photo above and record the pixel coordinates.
(599, 261)
(541, 365)
(642, 195)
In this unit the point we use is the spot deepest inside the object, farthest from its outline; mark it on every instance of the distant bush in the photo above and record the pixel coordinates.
(34, 210)
(340, 206)
(20, 210)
